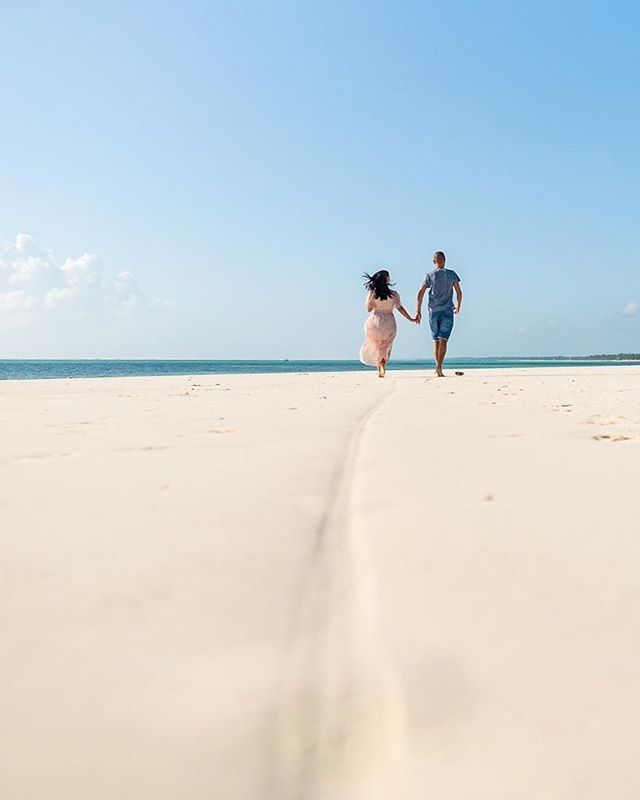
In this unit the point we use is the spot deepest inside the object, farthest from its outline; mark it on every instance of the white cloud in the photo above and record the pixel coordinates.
(34, 285)
(630, 309)
(16, 300)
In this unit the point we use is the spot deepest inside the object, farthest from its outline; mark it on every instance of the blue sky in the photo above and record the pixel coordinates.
(204, 179)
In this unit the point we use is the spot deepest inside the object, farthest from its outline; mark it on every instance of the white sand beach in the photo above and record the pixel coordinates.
(321, 587)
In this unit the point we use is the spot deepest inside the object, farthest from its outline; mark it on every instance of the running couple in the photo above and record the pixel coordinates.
(380, 327)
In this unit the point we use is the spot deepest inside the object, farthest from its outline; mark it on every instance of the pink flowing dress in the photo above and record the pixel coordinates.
(379, 329)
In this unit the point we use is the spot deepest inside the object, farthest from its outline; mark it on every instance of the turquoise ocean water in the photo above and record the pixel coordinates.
(29, 369)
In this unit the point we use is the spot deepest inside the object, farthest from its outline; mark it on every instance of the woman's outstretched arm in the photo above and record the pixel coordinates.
(402, 310)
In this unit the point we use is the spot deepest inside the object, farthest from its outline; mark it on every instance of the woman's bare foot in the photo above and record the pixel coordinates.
(440, 373)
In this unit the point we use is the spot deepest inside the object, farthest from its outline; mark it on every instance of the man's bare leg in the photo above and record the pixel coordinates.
(440, 349)
(443, 353)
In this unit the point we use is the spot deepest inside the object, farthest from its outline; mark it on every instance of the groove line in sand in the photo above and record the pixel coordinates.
(339, 726)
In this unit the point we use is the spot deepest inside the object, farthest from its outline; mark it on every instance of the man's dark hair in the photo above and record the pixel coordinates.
(440, 253)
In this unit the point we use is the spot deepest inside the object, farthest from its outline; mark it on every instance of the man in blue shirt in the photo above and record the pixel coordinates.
(441, 283)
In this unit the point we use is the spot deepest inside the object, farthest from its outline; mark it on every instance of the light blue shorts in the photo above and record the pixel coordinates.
(441, 324)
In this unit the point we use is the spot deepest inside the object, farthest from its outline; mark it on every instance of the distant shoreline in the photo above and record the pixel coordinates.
(32, 369)
(593, 357)
(597, 357)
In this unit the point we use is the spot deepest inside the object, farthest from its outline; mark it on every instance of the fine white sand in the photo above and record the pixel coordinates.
(321, 587)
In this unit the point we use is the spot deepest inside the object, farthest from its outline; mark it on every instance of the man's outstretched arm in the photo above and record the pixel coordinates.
(456, 286)
(423, 289)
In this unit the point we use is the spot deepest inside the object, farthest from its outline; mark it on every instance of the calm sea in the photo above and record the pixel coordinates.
(21, 370)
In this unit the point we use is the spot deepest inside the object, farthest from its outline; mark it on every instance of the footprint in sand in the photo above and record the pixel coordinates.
(599, 420)
(606, 437)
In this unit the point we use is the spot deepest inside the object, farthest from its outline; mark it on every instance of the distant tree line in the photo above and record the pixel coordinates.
(613, 357)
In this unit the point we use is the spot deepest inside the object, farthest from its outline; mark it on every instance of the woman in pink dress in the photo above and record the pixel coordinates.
(380, 327)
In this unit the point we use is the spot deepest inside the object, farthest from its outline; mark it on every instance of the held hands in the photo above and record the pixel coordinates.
(418, 318)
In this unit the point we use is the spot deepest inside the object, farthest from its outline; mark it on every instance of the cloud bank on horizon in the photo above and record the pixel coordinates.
(35, 286)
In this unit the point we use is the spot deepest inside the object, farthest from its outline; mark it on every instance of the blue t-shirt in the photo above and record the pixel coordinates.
(440, 282)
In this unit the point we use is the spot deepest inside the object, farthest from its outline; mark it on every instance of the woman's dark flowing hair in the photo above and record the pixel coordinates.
(377, 283)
